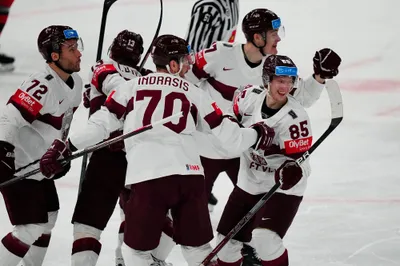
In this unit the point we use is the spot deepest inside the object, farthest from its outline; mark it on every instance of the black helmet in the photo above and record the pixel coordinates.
(167, 48)
(127, 48)
(278, 65)
(259, 21)
(52, 37)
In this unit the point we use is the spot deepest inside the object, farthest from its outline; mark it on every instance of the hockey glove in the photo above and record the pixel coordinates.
(288, 174)
(86, 96)
(326, 63)
(49, 164)
(118, 146)
(265, 136)
(7, 158)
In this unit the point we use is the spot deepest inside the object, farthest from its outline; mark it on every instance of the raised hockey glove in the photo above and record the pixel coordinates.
(265, 136)
(7, 161)
(288, 174)
(86, 96)
(326, 63)
(49, 164)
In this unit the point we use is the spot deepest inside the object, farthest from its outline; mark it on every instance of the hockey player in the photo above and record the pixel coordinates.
(272, 104)
(225, 67)
(40, 110)
(164, 170)
(6, 62)
(211, 21)
(105, 174)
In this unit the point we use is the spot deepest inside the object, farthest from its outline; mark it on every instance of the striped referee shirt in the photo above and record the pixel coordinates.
(212, 20)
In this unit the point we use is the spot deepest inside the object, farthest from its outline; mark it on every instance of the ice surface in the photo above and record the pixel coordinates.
(351, 211)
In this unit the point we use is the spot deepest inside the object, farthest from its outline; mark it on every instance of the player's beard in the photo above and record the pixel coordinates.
(70, 67)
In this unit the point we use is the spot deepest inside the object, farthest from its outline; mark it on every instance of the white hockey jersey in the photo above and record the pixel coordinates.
(168, 149)
(221, 71)
(38, 112)
(293, 137)
(105, 76)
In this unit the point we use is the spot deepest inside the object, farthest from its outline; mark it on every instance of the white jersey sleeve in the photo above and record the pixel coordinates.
(207, 62)
(29, 102)
(231, 136)
(104, 121)
(307, 91)
(293, 137)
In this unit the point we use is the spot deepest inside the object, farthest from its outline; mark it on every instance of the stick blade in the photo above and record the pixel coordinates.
(335, 97)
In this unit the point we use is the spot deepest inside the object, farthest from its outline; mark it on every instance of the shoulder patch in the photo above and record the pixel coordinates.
(292, 114)
(258, 91)
(227, 44)
(49, 77)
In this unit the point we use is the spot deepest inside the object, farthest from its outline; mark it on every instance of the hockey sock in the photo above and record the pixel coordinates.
(12, 250)
(282, 260)
(119, 260)
(85, 251)
(37, 251)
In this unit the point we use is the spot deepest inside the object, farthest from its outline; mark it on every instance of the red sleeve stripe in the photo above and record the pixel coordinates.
(96, 103)
(115, 107)
(98, 80)
(129, 106)
(226, 91)
(199, 73)
(213, 119)
(194, 112)
(54, 121)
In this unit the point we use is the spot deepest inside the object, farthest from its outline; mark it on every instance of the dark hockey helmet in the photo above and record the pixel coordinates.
(259, 21)
(278, 65)
(51, 38)
(127, 48)
(169, 47)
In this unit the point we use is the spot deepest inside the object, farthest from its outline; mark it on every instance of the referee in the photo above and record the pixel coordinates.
(212, 20)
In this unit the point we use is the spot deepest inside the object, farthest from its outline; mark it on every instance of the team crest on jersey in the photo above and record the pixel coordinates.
(258, 158)
(298, 145)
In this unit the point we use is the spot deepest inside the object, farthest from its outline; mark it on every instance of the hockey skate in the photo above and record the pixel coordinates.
(119, 262)
(6, 63)
(250, 257)
(158, 262)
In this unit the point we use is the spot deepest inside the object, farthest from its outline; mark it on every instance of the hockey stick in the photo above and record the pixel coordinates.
(106, 7)
(335, 98)
(95, 147)
(155, 36)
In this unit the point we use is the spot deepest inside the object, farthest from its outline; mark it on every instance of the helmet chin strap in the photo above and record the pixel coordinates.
(269, 89)
(260, 48)
(177, 73)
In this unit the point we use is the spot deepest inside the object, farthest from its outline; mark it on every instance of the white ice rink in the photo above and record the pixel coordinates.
(351, 211)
